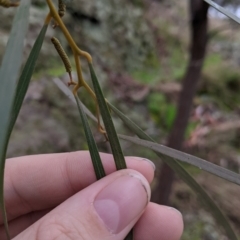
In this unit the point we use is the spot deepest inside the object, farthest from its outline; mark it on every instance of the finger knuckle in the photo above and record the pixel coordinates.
(56, 228)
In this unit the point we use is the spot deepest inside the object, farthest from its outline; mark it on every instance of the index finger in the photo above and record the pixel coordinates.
(39, 182)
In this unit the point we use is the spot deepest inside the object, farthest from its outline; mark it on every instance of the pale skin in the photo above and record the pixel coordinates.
(56, 196)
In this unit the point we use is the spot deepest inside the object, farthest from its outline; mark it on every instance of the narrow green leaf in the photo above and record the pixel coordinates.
(111, 132)
(187, 158)
(108, 123)
(130, 124)
(26, 75)
(9, 72)
(96, 160)
(223, 10)
(185, 176)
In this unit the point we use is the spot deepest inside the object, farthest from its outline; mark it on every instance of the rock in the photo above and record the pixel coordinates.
(115, 33)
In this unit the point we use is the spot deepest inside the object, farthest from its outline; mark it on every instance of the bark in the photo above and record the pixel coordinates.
(199, 24)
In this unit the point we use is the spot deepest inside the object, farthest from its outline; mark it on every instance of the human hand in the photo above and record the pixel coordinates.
(56, 196)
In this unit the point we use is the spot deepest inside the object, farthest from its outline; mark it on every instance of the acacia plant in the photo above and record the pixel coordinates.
(14, 86)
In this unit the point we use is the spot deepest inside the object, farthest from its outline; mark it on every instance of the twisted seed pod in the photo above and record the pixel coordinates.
(62, 54)
(7, 3)
(61, 8)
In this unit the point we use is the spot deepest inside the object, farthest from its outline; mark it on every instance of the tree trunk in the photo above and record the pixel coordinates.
(199, 22)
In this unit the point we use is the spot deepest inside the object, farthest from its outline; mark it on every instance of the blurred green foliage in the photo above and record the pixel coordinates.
(162, 111)
(221, 81)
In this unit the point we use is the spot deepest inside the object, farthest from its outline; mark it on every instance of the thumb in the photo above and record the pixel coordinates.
(106, 210)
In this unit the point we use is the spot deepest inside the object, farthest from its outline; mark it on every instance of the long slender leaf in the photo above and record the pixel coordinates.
(185, 176)
(187, 158)
(108, 123)
(9, 74)
(111, 132)
(26, 75)
(96, 160)
(223, 10)
(181, 156)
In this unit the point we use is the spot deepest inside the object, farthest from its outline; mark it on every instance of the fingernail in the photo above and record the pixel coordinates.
(150, 162)
(122, 201)
(146, 160)
(175, 210)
